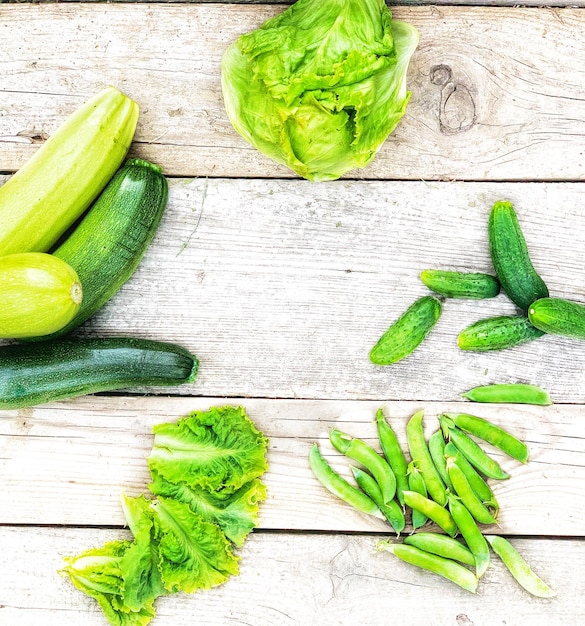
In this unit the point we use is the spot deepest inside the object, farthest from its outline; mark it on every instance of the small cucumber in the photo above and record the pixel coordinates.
(461, 284)
(510, 257)
(497, 333)
(39, 294)
(60, 181)
(558, 316)
(109, 243)
(408, 332)
(36, 373)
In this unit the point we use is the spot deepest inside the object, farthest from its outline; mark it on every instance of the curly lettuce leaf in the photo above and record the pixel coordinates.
(98, 573)
(216, 449)
(236, 513)
(321, 86)
(180, 549)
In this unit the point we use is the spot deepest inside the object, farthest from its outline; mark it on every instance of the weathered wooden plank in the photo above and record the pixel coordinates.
(485, 103)
(67, 463)
(317, 579)
(282, 287)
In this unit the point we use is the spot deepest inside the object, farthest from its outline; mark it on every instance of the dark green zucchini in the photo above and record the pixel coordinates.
(36, 373)
(509, 252)
(109, 243)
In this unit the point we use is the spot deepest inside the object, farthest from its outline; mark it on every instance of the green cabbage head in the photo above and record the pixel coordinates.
(321, 86)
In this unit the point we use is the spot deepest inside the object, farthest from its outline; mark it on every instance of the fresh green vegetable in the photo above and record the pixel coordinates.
(215, 449)
(109, 243)
(471, 450)
(477, 483)
(463, 489)
(436, 446)
(65, 368)
(320, 86)
(513, 393)
(498, 333)
(558, 316)
(338, 486)
(39, 294)
(235, 512)
(363, 453)
(435, 512)
(393, 453)
(416, 483)
(471, 533)
(473, 285)
(179, 544)
(421, 458)
(407, 332)
(447, 568)
(391, 510)
(60, 181)
(518, 567)
(484, 429)
(510, 257)
(441, 545)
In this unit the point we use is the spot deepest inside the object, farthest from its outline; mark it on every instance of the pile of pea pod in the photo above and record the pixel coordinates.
(445, 482)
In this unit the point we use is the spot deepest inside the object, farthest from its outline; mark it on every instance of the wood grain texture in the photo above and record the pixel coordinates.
(68, 463)
(282, 287)
(318, 579)
(497, 93)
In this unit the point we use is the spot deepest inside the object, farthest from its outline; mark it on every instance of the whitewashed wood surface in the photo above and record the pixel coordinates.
(281, 286)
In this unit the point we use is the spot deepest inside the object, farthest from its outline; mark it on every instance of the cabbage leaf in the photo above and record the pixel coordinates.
(320, 86)
(216, 449)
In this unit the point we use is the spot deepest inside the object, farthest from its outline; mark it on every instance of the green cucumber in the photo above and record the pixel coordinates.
(558, 316)
(36, 373)
(509, 252)
(109, 243)
(497, 333)
(408, 332)
(61, 180)
(475, 285)
(39, 294)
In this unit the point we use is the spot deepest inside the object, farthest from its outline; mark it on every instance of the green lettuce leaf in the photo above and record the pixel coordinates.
(236, 513)
(321, 86)
(186, 552)
(216, 449)
(98, 573)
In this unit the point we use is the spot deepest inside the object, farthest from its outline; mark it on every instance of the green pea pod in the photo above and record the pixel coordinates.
(472, 451)
(407, 333)
(469, 498)
(441, 545)
(478, 484)
(416, 483)
(446, 568)
(419, 453)
(393, 453)
(391, 511)
(473, 536)
(432, 510)
(518, 567)
(364, 454)
(437, 451)
(498, 437)
(339, 487)
(512, 393)
(474, 285)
